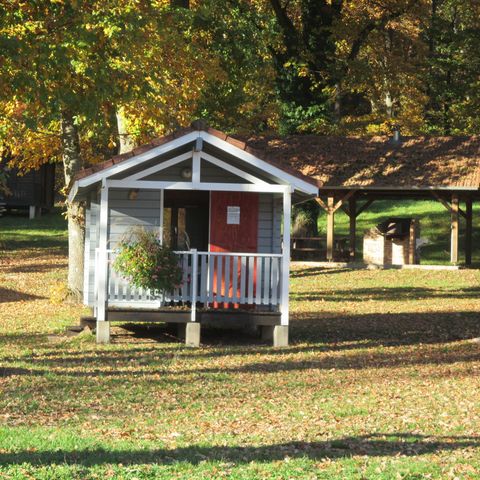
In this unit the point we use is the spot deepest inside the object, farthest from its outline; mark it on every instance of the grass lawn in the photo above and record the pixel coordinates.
(381, 381)
(434, 226)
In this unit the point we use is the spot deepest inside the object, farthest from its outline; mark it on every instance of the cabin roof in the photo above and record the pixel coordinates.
(329, 162)
(197, 125)
(378, 162)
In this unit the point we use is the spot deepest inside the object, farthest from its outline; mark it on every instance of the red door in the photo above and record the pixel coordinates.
(233, 222)
(233, 228)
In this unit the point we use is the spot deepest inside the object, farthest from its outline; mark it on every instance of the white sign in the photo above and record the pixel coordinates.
(233, 215)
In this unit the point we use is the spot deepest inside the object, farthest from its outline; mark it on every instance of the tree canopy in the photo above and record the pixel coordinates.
(294, 66)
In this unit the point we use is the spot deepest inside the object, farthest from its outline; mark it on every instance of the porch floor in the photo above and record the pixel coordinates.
(183, 315)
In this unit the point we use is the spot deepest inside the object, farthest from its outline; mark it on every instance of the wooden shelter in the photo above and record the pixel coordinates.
(220, 205)
(33, 190)
(353, 172)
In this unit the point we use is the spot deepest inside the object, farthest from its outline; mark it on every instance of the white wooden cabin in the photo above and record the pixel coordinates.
(223, 210)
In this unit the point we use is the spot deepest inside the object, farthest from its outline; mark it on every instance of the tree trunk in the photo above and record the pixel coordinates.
(72, 163)
(126, 142)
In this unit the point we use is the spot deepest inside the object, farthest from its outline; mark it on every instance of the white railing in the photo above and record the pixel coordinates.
(214, 279)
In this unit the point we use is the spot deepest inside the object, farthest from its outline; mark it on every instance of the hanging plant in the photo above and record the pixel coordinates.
(146, 263)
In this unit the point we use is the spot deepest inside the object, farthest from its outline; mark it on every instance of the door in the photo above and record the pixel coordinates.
(185, 219)
(233, 228)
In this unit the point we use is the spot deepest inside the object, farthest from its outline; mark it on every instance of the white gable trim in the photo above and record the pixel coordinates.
(161, 166)
(138, 159)
(296, 182)
(230, 168)
(223, 145)
(221, 187)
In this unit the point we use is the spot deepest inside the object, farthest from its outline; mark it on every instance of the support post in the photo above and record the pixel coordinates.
(278, 334)
(192, 334)
(352, 208)
(287, 218)
(454, 229)
(103, 326)
(34, 212)
(330, 227)
(468, 231)
(194, 283)
(412, 242)
(162, 205)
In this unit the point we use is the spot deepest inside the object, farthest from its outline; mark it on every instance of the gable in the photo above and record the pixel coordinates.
(210, 158)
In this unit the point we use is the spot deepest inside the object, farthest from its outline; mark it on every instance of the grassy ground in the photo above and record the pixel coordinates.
(381, 381)
(434, 226)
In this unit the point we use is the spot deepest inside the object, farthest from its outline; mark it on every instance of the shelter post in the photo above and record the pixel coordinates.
(330, 227)
(454, 229)
(352, 213)
(468, 231)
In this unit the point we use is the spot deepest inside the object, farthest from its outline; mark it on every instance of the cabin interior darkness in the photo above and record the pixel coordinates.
(186, 219)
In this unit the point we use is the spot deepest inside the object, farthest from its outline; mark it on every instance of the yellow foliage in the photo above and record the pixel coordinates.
(58, 292)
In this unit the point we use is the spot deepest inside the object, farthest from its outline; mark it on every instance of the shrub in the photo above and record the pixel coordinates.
(146, 263)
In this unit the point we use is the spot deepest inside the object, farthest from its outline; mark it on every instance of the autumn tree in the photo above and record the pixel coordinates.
(67, 68)
(241, 97)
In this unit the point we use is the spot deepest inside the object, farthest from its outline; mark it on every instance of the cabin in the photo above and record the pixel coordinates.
(224, 208)
(33, 190)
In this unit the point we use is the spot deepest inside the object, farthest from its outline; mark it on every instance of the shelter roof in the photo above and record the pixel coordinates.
(378, 162)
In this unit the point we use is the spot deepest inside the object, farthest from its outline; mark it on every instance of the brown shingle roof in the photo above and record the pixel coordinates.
(196, 125)
(416, 162)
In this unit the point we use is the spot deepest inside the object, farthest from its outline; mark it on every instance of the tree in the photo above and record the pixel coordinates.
(66, 69)
(453, 35)
(321, 45)
(240, 98)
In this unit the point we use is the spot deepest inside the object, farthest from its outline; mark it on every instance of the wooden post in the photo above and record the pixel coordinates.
(287, 219)
(412, 242)
(468, 231)
(352, 213)
(330, 227)
(454, 230)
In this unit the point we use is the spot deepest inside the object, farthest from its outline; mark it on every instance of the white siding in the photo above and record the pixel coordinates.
(124, 214)
(269, 224)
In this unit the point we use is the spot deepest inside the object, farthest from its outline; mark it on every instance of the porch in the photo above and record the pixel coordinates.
(243, 289)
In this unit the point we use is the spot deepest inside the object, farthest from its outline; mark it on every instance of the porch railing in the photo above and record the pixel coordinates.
(214, 279)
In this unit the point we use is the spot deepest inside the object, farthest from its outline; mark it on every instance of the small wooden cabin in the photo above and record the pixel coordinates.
(33, 190)
(226, 212)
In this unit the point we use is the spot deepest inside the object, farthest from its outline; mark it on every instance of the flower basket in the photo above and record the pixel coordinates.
(145, 263)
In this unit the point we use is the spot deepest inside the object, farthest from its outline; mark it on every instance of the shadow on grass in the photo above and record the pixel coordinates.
(158, 362)
(8, 295)
(386, 294)
(53, 244)
(311, 334)
(37, 268)
(316, 271)
(381, 444)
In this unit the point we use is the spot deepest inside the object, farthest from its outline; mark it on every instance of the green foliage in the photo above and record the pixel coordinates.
(300, 119)
(241, 97)
(454, 63)
(146, 263)
(305, 219)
